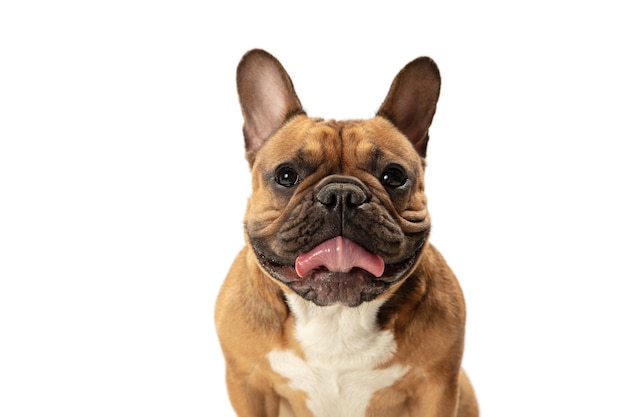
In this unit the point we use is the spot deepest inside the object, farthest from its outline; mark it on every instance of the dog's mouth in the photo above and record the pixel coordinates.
(338, 271)
(339, 255)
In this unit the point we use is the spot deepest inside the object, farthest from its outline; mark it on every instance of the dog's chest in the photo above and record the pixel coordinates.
(342, 350)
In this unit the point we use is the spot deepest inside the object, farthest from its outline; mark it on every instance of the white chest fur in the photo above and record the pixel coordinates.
(342, 348)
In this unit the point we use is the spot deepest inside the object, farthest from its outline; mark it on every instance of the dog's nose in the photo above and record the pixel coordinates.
(341, 191)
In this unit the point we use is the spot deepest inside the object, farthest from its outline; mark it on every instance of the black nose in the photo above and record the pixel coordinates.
(339, 191)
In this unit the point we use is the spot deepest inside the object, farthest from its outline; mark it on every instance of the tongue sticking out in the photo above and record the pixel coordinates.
(339, 255)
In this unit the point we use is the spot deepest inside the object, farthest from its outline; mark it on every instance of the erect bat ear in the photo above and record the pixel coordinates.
(266, 95)
(412, 99)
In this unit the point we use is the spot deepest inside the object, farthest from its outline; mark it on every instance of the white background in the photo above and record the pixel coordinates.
(123, 186)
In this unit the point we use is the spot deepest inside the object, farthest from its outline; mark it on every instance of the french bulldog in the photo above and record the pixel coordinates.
(338, 305)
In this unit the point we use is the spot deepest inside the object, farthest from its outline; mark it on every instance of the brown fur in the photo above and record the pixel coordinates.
(424, 310)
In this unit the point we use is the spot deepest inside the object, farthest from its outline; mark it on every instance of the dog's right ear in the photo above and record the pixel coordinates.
(267, 98)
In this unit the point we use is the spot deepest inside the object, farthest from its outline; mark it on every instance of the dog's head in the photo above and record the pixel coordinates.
(338, 212)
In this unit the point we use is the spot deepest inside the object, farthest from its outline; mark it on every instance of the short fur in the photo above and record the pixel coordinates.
(340, 344)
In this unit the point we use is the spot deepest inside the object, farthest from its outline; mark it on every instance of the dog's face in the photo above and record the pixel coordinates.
(338, 212)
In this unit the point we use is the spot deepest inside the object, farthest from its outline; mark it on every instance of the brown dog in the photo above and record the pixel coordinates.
(338, 306)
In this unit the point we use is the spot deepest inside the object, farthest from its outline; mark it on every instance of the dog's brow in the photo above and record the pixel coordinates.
(304, 159)
(301, 155)
(373, 160)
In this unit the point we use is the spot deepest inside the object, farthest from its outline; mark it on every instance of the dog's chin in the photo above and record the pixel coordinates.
(324, 287)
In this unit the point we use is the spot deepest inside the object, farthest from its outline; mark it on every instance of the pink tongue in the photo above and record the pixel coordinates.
(339, 255)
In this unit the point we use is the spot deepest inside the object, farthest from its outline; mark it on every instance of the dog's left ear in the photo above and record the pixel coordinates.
(412, 99)
(267, 98)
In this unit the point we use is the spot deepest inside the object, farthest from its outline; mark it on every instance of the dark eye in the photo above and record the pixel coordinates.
(393, 177)
(286, 176)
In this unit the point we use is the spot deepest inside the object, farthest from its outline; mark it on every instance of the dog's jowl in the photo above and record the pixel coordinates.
(338, 305)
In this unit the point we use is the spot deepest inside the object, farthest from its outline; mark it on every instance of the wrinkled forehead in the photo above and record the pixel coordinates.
(338, 143)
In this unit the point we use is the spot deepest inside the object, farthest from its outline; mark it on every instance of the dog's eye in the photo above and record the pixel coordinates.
(393, 177)
(286, 176)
